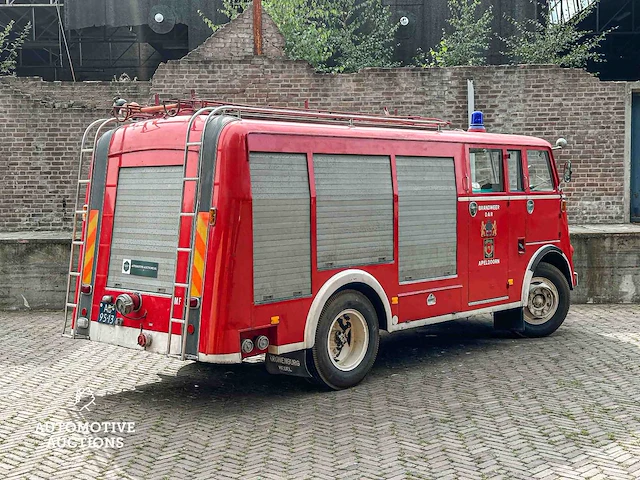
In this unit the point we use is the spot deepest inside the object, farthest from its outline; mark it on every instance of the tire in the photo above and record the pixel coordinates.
(547, 302)
(346, 341)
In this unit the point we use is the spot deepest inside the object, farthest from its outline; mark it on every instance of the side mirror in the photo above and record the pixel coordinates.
(566, 176)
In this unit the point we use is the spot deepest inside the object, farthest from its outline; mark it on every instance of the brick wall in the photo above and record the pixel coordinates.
(236, 40)
(41, 125)
(543, 101)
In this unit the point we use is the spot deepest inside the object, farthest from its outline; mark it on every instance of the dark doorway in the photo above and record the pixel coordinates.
(635, 157)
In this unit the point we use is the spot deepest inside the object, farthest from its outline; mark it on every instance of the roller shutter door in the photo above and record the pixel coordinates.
(354, 210)
(427, 218)
(145, 226)
(281, 226)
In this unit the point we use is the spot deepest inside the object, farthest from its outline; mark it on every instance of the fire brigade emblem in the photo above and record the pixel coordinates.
(473, 209)
(126, 266)
(489, 248)
(489, 229)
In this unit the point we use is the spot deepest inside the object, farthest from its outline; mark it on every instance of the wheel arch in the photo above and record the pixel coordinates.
(351, 279)
(549, 254)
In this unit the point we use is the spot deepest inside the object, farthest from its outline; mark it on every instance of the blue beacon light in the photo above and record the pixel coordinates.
(477, 122)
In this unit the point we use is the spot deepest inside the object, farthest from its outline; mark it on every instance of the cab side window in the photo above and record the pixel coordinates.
(486, 170)
(514, 166)
(540, 176)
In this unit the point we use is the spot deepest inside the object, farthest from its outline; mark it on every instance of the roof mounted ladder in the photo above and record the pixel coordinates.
(137, 112)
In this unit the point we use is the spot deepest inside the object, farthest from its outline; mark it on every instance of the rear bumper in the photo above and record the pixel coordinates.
(128, 337)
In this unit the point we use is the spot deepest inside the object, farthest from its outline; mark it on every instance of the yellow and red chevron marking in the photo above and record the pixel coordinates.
(90, 247)
(197, 270)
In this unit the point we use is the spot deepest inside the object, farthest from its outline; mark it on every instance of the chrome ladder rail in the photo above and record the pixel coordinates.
(79, 220)
(184, 320)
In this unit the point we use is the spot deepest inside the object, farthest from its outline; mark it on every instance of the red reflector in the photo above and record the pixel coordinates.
(191, 329)
(86, 289)
(84, 312)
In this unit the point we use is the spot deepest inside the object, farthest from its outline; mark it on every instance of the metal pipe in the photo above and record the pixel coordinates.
(257, 27)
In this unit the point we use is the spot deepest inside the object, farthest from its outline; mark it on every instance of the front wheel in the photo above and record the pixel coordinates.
(547, 302)
(346, 342)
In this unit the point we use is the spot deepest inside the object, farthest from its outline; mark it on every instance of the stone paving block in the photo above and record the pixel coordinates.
(456, 400)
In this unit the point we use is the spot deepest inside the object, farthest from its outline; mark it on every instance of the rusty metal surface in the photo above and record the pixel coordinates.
(257, 27)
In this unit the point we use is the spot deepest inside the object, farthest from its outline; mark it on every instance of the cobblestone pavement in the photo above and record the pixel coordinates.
(453, 401)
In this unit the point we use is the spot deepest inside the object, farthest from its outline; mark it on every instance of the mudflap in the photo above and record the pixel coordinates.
(292, 363)
(512, 320)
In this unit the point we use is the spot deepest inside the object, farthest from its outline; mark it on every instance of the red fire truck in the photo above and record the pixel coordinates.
(225, 232)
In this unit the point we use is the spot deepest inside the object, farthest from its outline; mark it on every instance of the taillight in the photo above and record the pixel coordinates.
(86, 289)
(262, 342)
(247, 346)
(194, 302)
(563, 205)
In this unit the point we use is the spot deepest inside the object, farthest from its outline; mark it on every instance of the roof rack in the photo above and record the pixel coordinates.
(124, 111)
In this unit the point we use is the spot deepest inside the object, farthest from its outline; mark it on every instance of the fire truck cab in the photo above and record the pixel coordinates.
(232, 231)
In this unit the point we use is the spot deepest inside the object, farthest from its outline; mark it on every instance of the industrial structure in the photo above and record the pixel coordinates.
(102, 39)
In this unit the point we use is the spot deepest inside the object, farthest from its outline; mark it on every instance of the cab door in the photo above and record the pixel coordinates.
(518, 259)
(543, 200)
(488, 227)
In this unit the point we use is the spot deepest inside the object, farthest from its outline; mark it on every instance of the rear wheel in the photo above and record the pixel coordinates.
(346, 342)
(547, 301)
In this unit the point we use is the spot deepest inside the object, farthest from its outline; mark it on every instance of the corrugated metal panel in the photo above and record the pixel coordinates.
(427, 217)
(145, 226)
(354, 210)
(281, 226)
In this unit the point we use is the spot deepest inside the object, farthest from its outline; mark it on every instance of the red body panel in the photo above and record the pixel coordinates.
(227, 300)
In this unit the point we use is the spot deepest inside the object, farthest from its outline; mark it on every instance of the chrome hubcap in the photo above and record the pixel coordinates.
(542, 302)
(347, 340)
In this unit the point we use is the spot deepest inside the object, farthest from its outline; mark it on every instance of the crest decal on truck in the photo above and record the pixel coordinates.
(489, 248)
(489, 229)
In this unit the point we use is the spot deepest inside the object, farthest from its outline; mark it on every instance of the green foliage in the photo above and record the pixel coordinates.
(300, 22)
(10, 45)
(332, 35)
(230, 9)
(468, 38)
(544, 42)
(359, 34)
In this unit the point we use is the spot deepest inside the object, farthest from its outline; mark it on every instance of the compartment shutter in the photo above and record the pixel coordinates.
(281, 226)
(427, 221)
(145, 226)
(354, 210)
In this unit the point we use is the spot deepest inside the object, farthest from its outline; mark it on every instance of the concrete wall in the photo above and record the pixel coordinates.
(33, 270)
(33, 267)
(607, 258)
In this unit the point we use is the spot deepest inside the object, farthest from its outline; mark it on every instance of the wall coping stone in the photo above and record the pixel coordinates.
(35, 237)
(598, 230)
(44, 236)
